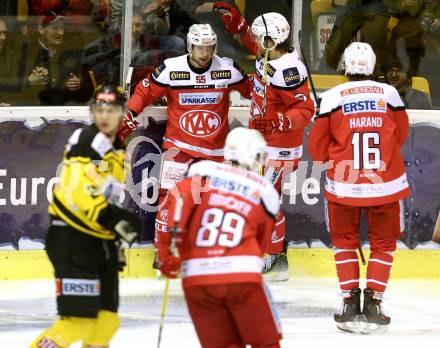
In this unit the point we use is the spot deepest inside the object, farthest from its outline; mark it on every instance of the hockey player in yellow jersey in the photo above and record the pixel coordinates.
(87, 226)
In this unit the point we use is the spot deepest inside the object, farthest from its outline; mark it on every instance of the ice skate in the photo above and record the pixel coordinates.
(276, 267)
(375, 321)
(348, 319)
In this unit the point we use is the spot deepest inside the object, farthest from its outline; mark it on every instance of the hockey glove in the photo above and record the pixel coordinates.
(126, 224)
(128, 126)
(275, 122)
(122, 262)
(234, 22)
(169, 264)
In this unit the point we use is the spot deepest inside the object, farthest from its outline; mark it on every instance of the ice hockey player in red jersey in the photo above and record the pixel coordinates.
(222, 228)
(197, 87)
(360, 128)
(281, 107)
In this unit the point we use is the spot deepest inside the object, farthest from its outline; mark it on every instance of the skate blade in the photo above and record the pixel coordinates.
(353, 327)
(276, 276)
(159, 275)
(372, 328)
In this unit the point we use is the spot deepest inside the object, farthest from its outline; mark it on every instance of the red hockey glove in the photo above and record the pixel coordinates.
(234, 22)
(169, 264)
(170, 267)
(275, 122)
(128, 126)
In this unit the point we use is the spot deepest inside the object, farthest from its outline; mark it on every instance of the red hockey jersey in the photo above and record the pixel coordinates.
(360, 129)
(227, 219)
(198, 103)
(287, 92)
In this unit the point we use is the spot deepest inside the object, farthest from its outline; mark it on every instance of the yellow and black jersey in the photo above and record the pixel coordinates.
(91, 165)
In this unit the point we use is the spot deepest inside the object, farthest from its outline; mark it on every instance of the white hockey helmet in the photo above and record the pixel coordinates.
(359, 59)
(201, 35)
(271, 24)
(247, 147)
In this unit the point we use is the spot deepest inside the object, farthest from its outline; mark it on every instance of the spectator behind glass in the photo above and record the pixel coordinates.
(169, 22)
(85, 18)
(4, 59)
(53, 73)
(381, 24)
(397, 77)
(12, 62)
(146, 47)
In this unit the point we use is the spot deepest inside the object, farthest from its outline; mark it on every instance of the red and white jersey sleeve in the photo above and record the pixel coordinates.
(198, 104)
(228, 217)
(287, 91)
(360, 129)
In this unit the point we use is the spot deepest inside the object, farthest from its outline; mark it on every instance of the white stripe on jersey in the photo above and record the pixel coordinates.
(221, 265)
(203, 150)
(369, 190)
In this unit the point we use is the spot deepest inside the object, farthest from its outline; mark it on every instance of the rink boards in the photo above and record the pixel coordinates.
(304, 263)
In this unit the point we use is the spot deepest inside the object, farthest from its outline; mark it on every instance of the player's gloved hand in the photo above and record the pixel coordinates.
(127, 224)
(275, 122)
(169, 260)
(128, 126)
(233, 21)
(122, 262)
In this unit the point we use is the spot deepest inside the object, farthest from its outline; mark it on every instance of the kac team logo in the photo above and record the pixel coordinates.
(200, 123)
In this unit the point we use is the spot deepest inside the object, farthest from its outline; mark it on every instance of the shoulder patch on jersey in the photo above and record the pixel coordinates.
(301, 96)
(291, 76)
(145, 82)
(221, 74)
(179, 75)
(270, 70)
(101, 144)
(158, 70)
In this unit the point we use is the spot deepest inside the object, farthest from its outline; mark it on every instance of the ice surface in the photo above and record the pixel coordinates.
(306, 307)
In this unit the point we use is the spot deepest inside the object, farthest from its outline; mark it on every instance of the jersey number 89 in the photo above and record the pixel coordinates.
(220, 228)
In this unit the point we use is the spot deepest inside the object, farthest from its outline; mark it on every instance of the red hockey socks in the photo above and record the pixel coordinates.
(276, 244)
(347, 268)
(378, 271)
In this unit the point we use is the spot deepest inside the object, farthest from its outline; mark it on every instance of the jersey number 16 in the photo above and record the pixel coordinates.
(366, 144)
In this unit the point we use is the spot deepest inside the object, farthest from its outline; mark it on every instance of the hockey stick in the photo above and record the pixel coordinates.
(312, 84)
(164, 309)
(175, 252)
(266, 58)
(361, 254)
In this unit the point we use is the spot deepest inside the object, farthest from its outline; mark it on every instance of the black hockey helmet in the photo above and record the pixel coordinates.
(108, 95)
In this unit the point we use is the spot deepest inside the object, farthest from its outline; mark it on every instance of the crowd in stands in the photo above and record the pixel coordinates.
(55, 52)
